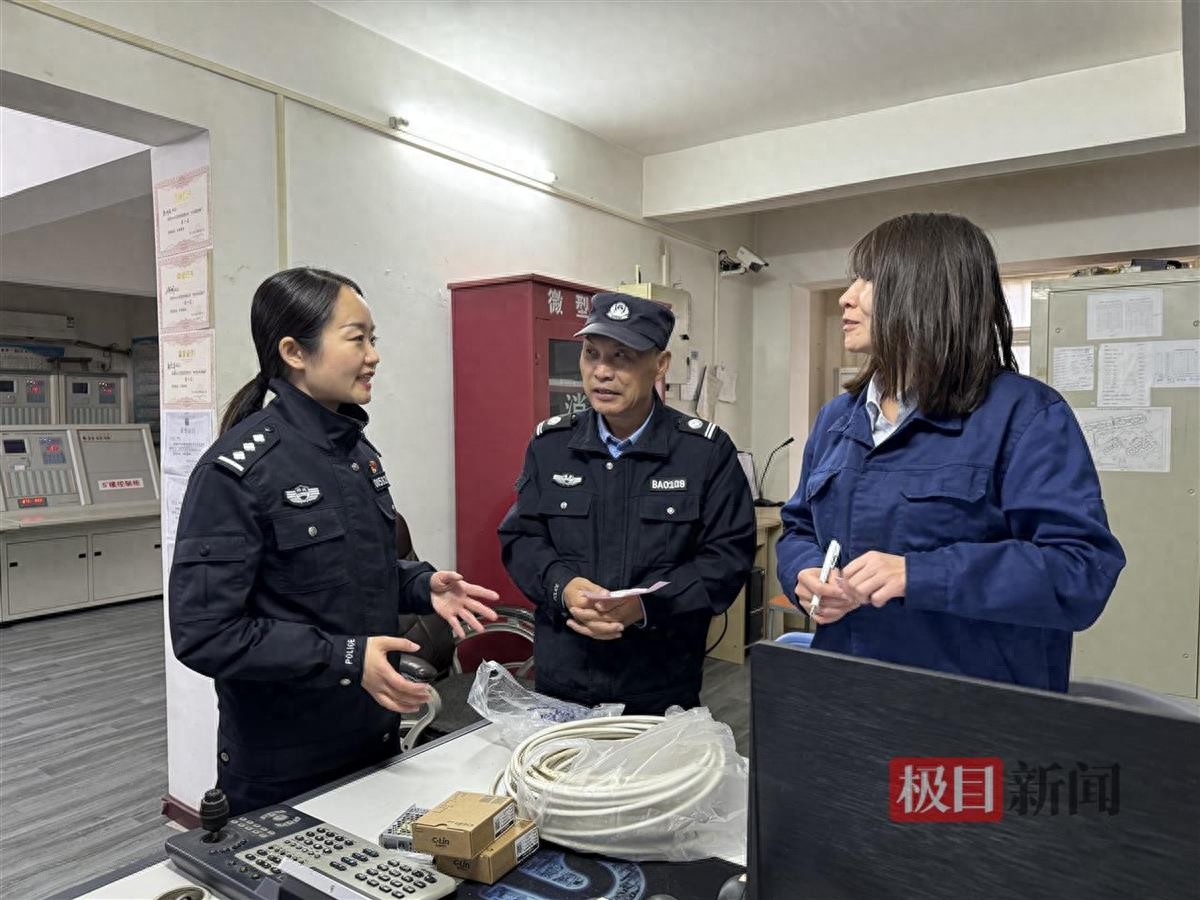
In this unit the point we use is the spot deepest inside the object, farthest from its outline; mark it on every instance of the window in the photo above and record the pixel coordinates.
(1017, 292)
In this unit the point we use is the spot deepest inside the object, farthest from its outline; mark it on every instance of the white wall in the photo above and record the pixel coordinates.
(36, 150)
(1038, 221)
(735, 316)
(318, 53)
(109, 249)
(402, 222)
(1127, 107)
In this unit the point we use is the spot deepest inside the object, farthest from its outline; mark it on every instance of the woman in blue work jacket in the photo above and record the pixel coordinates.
(285, 586)
(973, 535)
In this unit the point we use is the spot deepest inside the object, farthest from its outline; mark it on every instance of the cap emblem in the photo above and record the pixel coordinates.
(618, 312)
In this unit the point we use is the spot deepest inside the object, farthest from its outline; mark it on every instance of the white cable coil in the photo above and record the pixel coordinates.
(650, 806)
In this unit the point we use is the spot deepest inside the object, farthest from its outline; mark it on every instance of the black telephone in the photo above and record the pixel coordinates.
(279, 853)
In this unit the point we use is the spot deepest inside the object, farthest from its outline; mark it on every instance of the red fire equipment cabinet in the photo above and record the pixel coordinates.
(516, 362)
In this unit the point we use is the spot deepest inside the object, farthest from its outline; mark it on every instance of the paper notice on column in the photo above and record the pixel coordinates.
(183, 292)
(710, 389)
(1073, 369)
(695, 369)
(181, 213)
(1125, 371)
(1125, 313)
(187, 370)
(186, 434)
(1128, 440)
(1176, 364)
(728, 384)
(174, 487)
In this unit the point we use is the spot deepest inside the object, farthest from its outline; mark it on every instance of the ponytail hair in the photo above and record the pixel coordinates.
(295, 303)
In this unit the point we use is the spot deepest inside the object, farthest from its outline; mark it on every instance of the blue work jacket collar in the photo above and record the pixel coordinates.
(329, 430)
(856, 423)
(654, 441)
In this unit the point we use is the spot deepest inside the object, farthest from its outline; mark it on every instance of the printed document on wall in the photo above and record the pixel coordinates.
(695, 371)
(183, 292)
(728, 384)
(1125, 371)
(188, 380)
(181, 213)
(174, 487)
(1073, 369)
(1125, 313)
(1128, 440)
(186, 434)
(1176, 364)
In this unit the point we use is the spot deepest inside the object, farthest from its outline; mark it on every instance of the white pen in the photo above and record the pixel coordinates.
(831, 557)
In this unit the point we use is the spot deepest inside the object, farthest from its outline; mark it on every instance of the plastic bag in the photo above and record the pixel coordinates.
(678, 791)
(519, 712)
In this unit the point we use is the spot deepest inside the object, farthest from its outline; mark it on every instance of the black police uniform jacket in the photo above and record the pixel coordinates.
(285, 562)
(674, 507)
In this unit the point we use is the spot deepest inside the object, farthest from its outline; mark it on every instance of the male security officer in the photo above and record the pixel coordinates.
(624, 495)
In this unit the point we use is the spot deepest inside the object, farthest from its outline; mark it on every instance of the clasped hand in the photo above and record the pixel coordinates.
(873, 578)
(603, 620)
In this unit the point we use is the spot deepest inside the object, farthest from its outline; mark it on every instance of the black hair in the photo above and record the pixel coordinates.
(940, 325)
(295, 303)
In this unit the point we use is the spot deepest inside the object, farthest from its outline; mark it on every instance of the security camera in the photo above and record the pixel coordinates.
(751, 260)
(746, 261)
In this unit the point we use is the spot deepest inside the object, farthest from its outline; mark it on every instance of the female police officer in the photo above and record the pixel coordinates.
(285, 586)
(974, 538)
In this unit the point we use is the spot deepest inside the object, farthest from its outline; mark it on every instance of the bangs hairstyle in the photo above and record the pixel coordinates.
(940, 326)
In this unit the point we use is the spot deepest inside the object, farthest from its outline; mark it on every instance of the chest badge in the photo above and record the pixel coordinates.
(373, 466)
(567, 480)
(668, 484)
(302, 495)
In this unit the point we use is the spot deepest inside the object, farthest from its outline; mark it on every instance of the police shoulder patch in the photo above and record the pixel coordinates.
(555, 423)
(240, 448)
(697, 426)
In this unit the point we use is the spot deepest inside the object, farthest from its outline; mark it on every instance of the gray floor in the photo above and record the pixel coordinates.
(83, 747)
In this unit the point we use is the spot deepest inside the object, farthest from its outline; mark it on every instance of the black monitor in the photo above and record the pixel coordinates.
(1037, 795)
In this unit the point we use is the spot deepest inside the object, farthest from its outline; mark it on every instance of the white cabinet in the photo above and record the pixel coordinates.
(126, 564)
(48, 574)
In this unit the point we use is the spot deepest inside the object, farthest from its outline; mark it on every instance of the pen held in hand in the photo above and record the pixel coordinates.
(831, 557)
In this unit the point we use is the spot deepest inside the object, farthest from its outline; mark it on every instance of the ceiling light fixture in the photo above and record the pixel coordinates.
(502, 162)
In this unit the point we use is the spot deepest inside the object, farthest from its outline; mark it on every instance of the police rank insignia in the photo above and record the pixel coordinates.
(302, 495)
(567, 480)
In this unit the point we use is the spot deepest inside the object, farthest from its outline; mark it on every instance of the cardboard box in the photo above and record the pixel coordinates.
(508, 851)
(463, 825)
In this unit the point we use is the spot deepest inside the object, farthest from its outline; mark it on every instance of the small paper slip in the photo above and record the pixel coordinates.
(628, 592)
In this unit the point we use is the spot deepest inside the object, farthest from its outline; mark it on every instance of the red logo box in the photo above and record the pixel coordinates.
(946, 789)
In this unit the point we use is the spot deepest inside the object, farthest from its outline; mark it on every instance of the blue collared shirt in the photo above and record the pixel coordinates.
(615, 445)
(881, 428)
